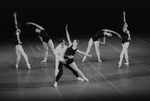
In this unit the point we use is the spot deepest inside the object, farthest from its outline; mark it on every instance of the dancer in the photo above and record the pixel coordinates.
(125, 42)
(96, 40)
(18, 43)
(67, 59)
(45, 38)
(60, 61)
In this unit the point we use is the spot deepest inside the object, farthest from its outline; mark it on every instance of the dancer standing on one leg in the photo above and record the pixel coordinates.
(45, 38)
(18, 44)
(125, 42)
(95, 39)
(60, 61)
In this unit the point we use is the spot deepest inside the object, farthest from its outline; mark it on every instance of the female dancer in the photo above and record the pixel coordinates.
(68, 59)
(60, 61)
(45, 38)
(125, 42)
(96, 40)
(18, 43)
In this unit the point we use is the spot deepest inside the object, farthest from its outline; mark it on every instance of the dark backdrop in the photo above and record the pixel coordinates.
(84, 17)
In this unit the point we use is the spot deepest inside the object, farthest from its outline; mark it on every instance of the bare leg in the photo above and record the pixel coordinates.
(51, 45)
(18, 56)
(74, 66)
(126, 53)
(96, 43)
(25, 56)
(90, 44)
(45, 46)
(122, 55)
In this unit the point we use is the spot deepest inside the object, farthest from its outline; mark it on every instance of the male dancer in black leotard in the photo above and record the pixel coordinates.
(18, 44)
(45, 38)
(125, 42)
(96, 40)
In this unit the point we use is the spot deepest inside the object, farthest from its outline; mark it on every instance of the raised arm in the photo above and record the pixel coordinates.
(68, 36)
(40, 27)
(15, 19)
(124, 16)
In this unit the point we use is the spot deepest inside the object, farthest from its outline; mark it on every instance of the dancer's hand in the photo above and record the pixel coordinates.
(15, 14)
(70, 56)
(124, 12)
(63, 62)
(89, 55)
(28, 23)
(129, 38)
(20, 42)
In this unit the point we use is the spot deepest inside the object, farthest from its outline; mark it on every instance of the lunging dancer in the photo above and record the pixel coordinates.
(66, 57)
(60, 61)
(125, 42)
(45, 38)
(95, 39)
(18, 43)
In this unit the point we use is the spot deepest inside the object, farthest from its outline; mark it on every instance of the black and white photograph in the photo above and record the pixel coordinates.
(74, 50)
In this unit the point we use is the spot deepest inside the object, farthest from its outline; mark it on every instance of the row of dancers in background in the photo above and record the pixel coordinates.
(64, 55)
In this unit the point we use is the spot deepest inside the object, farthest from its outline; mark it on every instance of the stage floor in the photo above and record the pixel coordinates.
(106, 80)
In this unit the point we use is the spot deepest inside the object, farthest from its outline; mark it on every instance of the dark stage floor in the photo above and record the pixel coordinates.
(107, 82)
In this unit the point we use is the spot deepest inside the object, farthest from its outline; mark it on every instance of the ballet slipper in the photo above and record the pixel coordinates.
(28, 65)
(119, 64)
(100, 60)
(55, 84)
(16, 65)
(126, 63)
(80, 79)
(44, 60)
(86, 79)
(84, 58)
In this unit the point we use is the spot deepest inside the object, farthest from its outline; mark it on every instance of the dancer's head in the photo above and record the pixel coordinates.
(125, 25)
(75, 42)
(18, 31)
(19, 25)
(106, 33)
(37, 30)
(61, 41)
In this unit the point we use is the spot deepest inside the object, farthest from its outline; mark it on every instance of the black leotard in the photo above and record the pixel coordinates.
(16, 42)
(125, 37)
(44, 36)
(70, 52)
(98, 35)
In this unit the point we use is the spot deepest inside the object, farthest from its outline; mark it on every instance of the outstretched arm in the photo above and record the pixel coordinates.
(111, 31)
(35, 25)
(68, 36)
(81, 52)
(15, 18)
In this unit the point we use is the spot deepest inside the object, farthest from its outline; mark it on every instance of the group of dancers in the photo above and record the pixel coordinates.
(64, 55)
